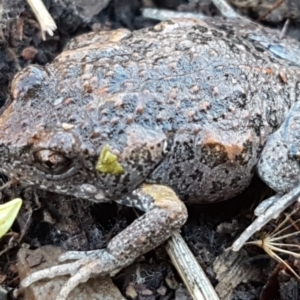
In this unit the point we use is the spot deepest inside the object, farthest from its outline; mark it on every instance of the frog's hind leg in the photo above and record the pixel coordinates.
(279, 167)
(164, 214)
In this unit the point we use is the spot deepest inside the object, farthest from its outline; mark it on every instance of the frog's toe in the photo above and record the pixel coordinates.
(90, 268)
(77, 255)
(270, 213)
(70, 268)
(265, 204)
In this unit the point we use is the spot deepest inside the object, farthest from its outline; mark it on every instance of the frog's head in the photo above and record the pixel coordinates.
(61, 145)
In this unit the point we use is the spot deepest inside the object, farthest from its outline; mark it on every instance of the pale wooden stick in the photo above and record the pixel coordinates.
(45, 20)
(190, 271)
(166, 14)
(225, 9)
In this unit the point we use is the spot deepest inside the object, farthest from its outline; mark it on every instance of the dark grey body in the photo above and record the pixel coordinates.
(182, 104)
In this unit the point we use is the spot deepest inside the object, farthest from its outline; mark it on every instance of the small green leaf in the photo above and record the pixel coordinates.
(8, 214)
(108, 162)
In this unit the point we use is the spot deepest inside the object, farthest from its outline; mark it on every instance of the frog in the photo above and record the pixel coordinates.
(182, 112)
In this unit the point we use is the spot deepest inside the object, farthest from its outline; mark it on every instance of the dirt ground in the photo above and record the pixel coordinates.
(210, 230)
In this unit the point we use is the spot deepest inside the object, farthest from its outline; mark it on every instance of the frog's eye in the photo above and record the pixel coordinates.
(52, 162)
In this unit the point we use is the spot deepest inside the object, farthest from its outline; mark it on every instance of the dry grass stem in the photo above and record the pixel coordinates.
(269, 242)
(45, 20)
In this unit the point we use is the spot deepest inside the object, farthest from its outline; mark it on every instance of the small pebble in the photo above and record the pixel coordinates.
(131, 292)
(146, 292)
(162, 290)
(29, 53)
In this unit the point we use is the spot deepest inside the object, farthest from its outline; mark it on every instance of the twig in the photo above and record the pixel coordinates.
(5, 185)
(275, 242)
(276, 4)
(284, 28)
(190, 271)
(45, 20)
(165, 14)
(225, 9)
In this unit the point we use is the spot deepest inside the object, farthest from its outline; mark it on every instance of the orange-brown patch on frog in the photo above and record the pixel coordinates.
(231, 150)
(101, 91)
(268, 71)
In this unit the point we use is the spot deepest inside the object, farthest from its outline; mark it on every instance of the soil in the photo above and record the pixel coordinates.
(85, 226)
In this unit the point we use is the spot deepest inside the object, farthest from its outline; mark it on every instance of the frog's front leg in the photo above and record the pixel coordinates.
(279, 167)
(164, 214)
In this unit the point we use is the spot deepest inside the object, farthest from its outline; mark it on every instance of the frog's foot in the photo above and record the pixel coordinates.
(164, 214)
(89, 264)
(270, 213)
